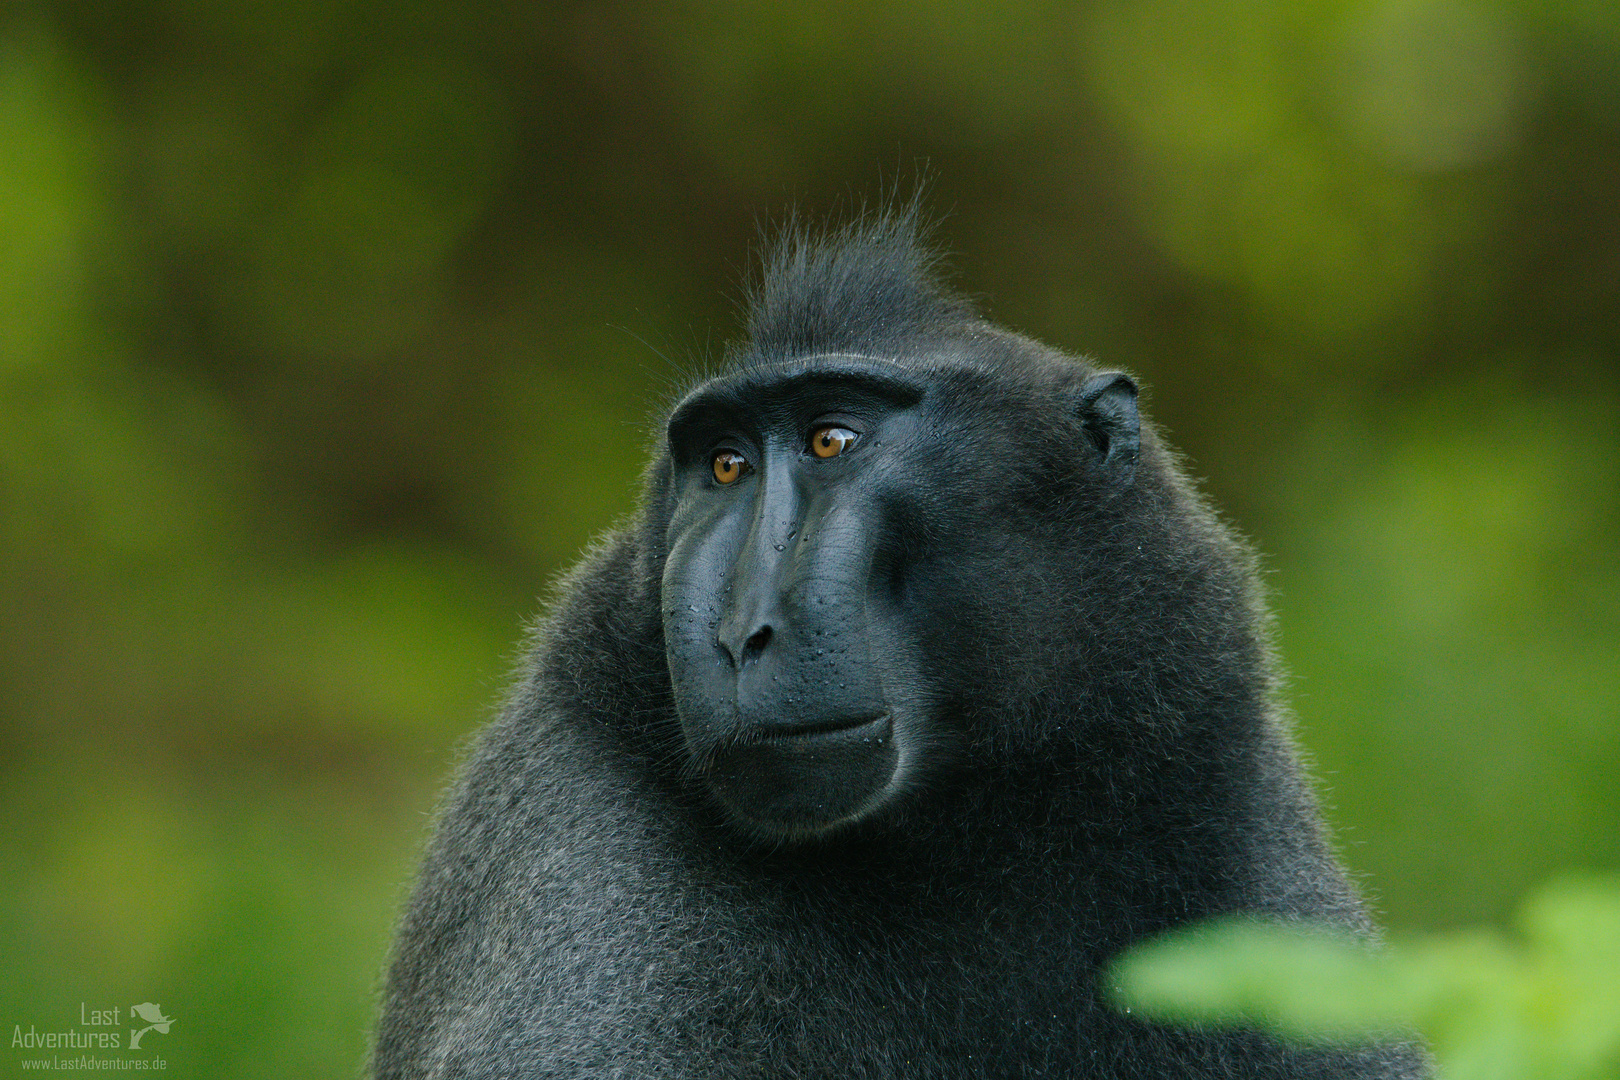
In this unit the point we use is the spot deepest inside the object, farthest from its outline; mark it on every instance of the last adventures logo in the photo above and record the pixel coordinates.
(97, 1029)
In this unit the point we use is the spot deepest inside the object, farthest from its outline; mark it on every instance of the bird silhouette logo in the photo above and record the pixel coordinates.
(153, 1015)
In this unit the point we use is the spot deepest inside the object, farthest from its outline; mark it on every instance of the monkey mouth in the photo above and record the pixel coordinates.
(872, 727)
(806, 778)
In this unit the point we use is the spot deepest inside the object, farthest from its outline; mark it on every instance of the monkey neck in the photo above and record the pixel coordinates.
(1146, 826)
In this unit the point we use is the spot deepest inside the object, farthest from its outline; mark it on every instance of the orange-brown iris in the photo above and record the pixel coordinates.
(729, 466)
(830, 441)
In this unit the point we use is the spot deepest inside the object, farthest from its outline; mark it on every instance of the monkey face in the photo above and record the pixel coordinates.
(794, 690)
(841, 578)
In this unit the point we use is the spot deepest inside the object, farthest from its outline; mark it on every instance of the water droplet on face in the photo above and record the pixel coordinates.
(781, 547)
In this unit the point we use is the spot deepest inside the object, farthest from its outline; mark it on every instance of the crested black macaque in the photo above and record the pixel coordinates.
(921, 684)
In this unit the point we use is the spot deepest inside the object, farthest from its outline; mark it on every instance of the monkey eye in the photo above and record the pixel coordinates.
(729, 466)
(830, 440)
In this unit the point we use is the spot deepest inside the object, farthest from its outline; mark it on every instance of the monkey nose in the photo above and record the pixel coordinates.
(743, 650)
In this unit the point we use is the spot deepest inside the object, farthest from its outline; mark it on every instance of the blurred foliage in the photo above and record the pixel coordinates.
(1545, 1006)
(329, 333)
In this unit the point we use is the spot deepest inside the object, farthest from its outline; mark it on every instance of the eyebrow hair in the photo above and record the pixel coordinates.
(869, 376)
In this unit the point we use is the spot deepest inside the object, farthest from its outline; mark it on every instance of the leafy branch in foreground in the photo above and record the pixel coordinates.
(1544, 1006)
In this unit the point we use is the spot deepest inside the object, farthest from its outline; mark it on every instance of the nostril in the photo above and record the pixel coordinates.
(746, 651)
(756, 644)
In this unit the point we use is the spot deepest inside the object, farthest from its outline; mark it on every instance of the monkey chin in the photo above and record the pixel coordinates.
(806, 781)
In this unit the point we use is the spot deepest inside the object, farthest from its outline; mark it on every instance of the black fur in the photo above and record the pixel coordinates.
(653, 866)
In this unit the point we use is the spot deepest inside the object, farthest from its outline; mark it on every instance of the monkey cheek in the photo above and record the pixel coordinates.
(799, 785)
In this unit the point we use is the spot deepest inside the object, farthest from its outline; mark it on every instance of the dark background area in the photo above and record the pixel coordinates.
(329, 334)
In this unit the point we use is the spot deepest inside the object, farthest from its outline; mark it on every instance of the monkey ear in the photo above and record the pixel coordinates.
(1111, 423)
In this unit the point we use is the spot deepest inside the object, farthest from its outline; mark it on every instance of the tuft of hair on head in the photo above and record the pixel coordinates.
(853, 288)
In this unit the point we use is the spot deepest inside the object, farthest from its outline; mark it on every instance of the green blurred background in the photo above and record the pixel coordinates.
(329, 333)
